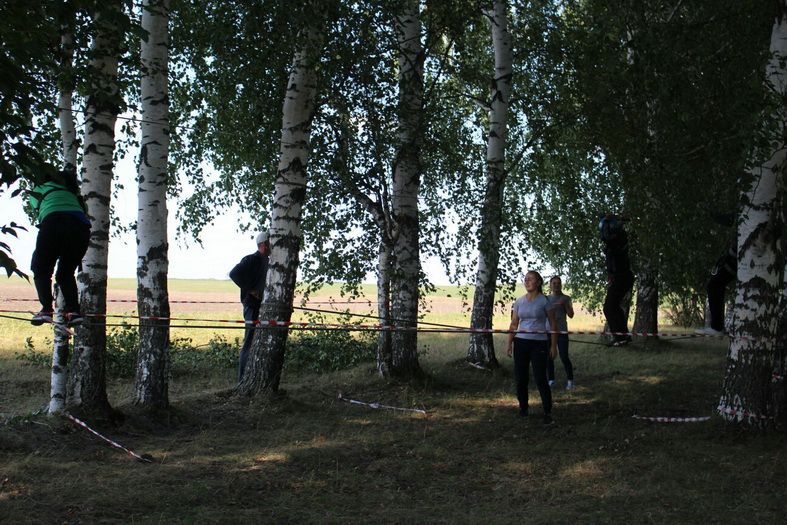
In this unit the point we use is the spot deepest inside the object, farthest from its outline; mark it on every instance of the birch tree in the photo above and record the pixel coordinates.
(151, 382)
(406, 182)
(749, 395)
(482, 350)
(266, 359)
(87, 385)
(70, 146)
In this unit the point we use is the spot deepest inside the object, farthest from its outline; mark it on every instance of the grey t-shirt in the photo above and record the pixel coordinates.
(532, 317)
(560, 303)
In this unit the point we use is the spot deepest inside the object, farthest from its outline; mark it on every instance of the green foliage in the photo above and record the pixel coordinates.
(327, 351)
(31, 357)
(218, 353)
(123, 349)
(685, 310)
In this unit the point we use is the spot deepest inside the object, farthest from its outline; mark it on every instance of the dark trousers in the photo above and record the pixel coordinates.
(619, 286)
(251, 312)
(716, 287)
(562, 348)
(528, 351)
(62, 239)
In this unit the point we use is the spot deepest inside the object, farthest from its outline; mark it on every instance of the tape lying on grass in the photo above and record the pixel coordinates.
(145, 458)
(661, 419)
(378, 406)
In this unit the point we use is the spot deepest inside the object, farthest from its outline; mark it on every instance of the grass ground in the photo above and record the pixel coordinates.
(308, 457)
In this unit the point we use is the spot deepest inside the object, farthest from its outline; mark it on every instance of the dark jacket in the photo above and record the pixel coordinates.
(616, 251)
(249, 274)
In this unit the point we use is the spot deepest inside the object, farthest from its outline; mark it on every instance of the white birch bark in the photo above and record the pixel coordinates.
(59, 373)
(406, 182)
(266, 357)
(481, 349)
(151, 382)
(87, 386)
(748, 395)
(61, 338)
(384, 357)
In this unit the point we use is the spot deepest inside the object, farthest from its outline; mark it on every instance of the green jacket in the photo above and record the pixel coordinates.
(51, 197)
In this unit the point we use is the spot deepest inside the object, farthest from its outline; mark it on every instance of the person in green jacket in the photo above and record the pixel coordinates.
(63, 236)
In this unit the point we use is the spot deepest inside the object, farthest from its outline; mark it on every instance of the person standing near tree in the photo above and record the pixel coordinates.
(249, 274)
(562, 306)
(529, 343)
(723, 273)
(63, 236)
(620, 278)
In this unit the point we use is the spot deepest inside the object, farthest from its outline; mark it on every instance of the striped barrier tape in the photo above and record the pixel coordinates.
(113, 443)
(366, 302)
(668, 419)
(310, 325)
(378, 406)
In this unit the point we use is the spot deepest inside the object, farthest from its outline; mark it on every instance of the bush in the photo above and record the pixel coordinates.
(685, 310)
(123, 350)
(329, 350)
(320, 351)
(219, 353)
(31, 357)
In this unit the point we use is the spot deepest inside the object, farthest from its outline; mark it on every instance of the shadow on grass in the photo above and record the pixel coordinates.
(310, 457)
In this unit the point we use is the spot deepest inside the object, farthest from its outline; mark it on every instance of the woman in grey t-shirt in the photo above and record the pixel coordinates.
(529, 342)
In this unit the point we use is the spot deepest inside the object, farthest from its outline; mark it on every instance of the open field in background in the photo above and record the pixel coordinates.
(445, 306)
(308, 457)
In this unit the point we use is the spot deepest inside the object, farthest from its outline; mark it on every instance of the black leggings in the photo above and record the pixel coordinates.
(62, 239)
(620, 284)
(562, 348)
(528, 351)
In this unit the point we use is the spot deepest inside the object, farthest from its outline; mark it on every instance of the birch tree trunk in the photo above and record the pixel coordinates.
(266, 359)
(59, 374)
(87, 386)
(151, 382)
(406, 182)
(481, 350)
(384, 339)
(61, 338)
(748, 395)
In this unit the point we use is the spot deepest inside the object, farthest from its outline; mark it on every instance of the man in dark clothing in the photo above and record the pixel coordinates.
(249, 274)
(620, 278)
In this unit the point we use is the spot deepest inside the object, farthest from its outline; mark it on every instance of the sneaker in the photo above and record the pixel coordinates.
(569, 385)
(709, 332)
(74, 319)
(548, 419)
(44, 316)
(621, 342)
(551, 383)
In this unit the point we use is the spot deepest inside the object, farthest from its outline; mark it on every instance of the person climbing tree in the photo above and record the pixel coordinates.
(63, 235)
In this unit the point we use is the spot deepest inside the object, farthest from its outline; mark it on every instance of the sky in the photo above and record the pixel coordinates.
(222, 244)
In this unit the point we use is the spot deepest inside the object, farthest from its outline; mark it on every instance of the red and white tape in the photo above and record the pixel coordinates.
(379, 406)
(669, 419)
(113, 443)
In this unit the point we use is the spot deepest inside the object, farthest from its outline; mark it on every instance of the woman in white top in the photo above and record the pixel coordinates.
(529, 342)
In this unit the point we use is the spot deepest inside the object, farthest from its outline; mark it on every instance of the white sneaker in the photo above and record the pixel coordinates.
(569, 385)
(551, 383)
(708, 331)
